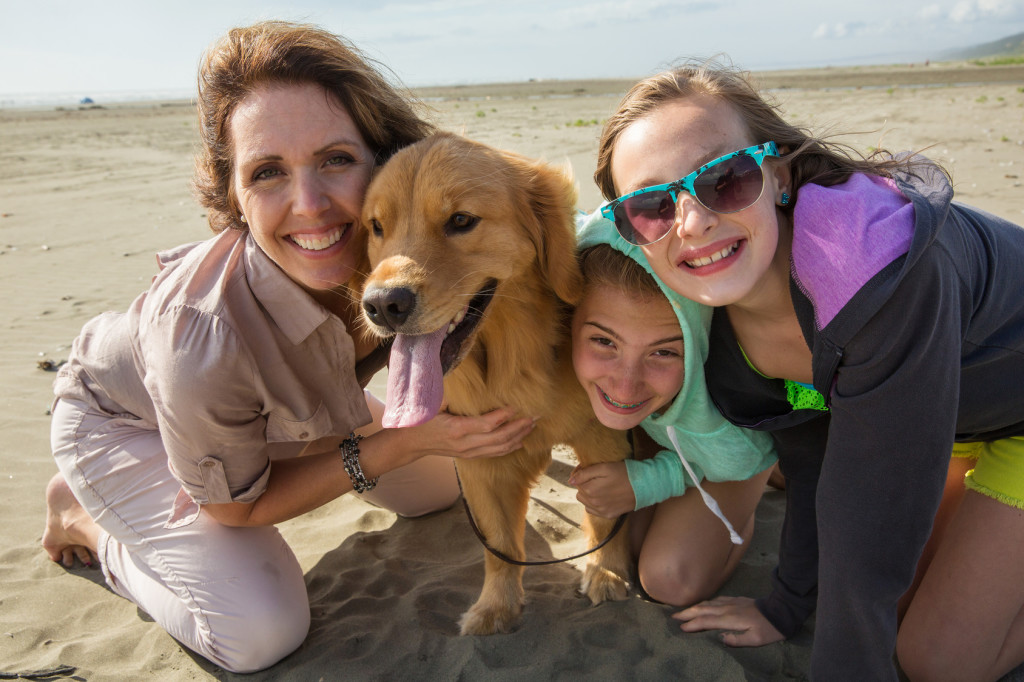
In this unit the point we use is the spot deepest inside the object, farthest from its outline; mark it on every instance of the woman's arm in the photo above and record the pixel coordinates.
(301, 484)
(206, 390)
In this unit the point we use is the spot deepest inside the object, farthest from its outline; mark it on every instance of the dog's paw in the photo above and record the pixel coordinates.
(482, 620)
(601, 585)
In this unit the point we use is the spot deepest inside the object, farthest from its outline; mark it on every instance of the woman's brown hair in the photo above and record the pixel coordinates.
(288, 53)
(810, 157)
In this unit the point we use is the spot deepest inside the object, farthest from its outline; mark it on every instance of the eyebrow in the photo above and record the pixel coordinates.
(609, 332)
(701, 160)
(340, 142)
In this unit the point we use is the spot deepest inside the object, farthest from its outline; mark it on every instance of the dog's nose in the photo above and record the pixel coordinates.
(389, 307)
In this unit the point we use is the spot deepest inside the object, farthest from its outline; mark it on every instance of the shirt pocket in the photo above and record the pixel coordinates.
(283, 430)
(183, 512)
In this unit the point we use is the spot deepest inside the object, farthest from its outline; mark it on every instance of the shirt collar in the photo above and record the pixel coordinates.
(290, 306)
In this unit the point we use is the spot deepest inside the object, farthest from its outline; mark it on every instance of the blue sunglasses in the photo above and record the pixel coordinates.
(728, 184)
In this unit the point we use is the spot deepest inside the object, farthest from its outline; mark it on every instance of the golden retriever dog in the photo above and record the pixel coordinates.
(473, 257)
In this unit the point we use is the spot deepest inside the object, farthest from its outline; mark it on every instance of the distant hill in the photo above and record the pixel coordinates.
(1011, 45)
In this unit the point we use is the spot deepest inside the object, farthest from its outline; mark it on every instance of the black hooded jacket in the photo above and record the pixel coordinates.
(924, 348)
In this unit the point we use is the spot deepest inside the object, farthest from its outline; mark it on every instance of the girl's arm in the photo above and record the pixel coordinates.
(894, 416)
(794, 592)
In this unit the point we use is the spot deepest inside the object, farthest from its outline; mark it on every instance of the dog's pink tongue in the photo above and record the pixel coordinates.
(415, 380)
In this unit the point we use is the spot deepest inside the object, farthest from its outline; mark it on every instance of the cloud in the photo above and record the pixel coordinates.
(427, 8)
(562, 15)
(824, 32)
(1000, 8)
(963, 12)
(846, 29)
(969, 11)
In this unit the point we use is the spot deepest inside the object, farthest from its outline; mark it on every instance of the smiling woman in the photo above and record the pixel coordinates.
(230, 396)
(302, 169)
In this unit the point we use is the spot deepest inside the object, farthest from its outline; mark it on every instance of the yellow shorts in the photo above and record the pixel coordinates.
(999, 471)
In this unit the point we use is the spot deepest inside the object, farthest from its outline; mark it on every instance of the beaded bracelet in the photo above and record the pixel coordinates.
(350, 458)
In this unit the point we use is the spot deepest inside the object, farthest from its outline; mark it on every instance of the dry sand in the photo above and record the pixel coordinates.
(88, 195)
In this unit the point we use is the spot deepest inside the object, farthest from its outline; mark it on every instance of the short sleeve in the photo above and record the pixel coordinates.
(209, 411)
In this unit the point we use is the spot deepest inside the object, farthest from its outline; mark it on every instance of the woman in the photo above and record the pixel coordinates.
(178, 425)
(638, 349)
(869, 323)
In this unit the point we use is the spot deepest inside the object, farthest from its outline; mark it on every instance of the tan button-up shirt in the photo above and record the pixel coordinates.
(232, 361)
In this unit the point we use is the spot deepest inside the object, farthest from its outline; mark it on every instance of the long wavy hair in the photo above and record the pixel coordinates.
(811, 158)
(278, 52)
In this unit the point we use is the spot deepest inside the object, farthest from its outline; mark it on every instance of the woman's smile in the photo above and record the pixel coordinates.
(320, 242)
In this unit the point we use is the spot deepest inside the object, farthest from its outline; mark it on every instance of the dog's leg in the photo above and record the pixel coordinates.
(498, 491)
(606, 576)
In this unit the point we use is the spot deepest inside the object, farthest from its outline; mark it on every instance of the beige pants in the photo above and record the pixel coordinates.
(234, 595)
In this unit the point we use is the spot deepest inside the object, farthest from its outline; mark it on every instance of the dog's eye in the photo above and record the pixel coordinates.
(459, 223)
(376, 228)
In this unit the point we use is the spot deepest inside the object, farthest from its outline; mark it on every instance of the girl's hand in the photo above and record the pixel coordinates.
(604, 489)
(744, 624)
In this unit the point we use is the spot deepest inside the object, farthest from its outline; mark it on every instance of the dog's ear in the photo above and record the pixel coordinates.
(551, 205)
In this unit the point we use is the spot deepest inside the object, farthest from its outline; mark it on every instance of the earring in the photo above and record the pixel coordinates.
(242, 218)
(784, 201)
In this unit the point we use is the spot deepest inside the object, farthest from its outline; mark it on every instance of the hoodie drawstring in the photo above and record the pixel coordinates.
(708, 500)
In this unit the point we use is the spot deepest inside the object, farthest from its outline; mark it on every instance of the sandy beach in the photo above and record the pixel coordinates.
(89, 194)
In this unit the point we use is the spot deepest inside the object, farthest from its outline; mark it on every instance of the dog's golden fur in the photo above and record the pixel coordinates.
(420, 210)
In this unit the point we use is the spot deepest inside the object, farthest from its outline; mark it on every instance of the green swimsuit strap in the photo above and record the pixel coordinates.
(800, 396)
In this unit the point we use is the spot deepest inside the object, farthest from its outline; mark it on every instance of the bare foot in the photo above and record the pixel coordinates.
(70, 531)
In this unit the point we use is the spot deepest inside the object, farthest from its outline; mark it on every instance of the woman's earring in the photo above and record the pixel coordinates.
(244, 221)
(784, 201)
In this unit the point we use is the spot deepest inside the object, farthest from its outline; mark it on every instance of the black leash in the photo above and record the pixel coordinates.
(516, 562)
(45, 674)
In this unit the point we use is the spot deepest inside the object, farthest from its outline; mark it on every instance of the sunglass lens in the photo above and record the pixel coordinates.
(730, 186)
(646, 217)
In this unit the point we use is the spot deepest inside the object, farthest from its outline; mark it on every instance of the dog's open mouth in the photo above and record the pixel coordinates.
(419, 362)
(461, 330)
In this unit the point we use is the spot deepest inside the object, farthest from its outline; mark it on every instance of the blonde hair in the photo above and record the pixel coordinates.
(810, 158)
(279, 52)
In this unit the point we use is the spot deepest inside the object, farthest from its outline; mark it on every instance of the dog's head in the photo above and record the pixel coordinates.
(451, 223)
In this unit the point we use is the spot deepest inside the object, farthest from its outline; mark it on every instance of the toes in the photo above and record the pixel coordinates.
(83, 555)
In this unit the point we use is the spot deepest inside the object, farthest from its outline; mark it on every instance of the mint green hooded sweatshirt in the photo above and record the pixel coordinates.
(699, 442)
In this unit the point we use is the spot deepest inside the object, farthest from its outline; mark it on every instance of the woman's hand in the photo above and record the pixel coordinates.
(604, 489)
(301, 484)
(488, 435)
(738, 616)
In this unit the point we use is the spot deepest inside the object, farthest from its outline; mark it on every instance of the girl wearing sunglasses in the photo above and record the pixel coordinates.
(873, 327)
(638, 351)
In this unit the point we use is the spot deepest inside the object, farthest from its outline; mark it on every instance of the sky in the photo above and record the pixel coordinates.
(104, 46)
